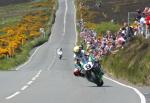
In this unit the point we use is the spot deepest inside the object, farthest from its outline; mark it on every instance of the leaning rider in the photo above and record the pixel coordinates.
(79, 54)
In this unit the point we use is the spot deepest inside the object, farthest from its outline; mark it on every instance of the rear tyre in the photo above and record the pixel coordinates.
(60, 57)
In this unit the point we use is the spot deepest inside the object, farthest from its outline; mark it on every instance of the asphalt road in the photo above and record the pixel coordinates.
(46, 79)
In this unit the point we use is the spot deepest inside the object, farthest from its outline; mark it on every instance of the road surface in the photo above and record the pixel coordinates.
(46, 79)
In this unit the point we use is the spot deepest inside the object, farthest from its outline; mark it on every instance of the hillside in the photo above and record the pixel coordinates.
(131, 63)
(113, 9)
(7, 2)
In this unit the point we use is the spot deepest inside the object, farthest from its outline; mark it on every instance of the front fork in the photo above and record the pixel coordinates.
(99, 73)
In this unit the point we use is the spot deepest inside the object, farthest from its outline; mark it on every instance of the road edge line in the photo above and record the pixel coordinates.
(142, 97)
(75, 24)
(29, 59)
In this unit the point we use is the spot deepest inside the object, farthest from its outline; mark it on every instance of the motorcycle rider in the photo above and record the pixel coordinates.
(79, 54)
(60, 52)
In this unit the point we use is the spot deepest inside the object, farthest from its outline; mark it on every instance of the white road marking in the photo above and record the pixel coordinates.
(24, 87)
(37, 75)
(142, 97)
(65, 16)
(75, 25)
(64, 30)
(39, 72)
(29, 58)
(34, 78)
(30, 82)
(13, 95)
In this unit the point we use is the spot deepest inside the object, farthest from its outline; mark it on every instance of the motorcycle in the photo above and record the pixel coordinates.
(60, 54)
(91, 70)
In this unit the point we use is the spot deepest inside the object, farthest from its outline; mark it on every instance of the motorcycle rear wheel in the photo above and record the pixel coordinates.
(60, 57)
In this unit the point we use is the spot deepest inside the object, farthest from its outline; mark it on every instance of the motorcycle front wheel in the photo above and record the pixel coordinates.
(95, 79)
(100, 83)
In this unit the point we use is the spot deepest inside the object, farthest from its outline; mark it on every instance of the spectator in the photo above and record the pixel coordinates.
(139, 13)
(142, 25)
(147, 26)
(130, 31)
(120, 41)
(145, 12)
(135, 27)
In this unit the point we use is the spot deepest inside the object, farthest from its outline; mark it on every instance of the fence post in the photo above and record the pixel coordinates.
(128, 18)
(42, 32)
(147, 32)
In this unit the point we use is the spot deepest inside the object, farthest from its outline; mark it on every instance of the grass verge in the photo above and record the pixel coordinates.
(131, 63)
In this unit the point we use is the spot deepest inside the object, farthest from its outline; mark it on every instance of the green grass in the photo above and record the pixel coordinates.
(9, 21)
(14, 8)
(23, 53)
(104, 26)
(132, 63)
(11, 14)
(79, 39)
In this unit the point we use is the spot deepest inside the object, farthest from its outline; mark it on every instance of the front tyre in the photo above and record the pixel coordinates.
(94, 78)
(100, 83)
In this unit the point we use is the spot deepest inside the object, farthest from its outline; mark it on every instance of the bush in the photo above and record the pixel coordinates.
(104, 26)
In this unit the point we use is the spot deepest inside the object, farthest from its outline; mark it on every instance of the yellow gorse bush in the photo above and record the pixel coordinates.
(40, 4)
(28, 28)
(90, 25)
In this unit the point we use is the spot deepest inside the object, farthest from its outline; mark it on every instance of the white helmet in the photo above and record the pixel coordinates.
(76, 49)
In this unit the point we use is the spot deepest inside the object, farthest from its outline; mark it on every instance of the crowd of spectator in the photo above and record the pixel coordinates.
(106, 44)
(109, 42)
(141, 24)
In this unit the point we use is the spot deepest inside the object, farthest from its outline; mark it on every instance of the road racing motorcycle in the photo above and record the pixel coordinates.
(60, 53)
(90, 69)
